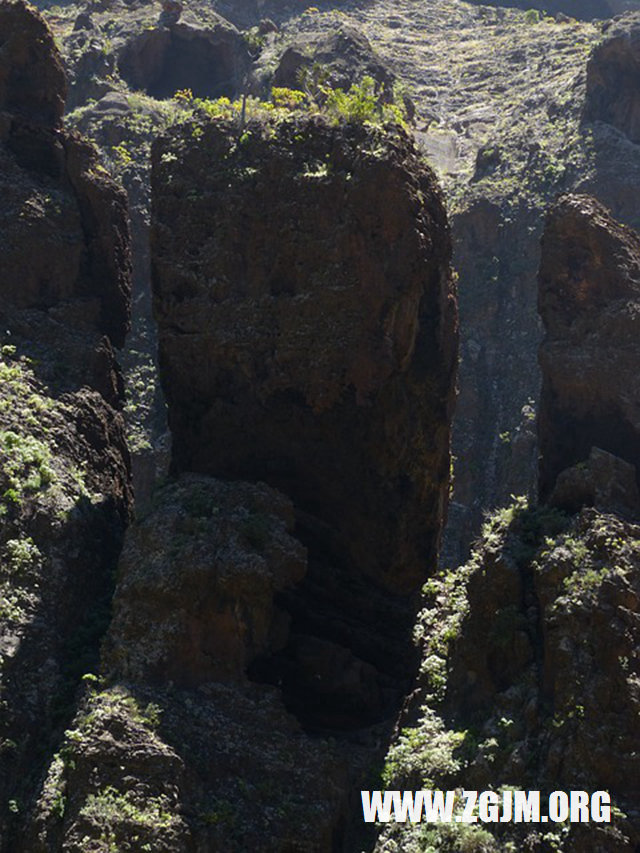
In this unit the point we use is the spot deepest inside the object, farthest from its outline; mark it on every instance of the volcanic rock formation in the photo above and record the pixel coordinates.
(64, 473)
(314, 350)
(343, 57)
(211, 61)
(588, 300)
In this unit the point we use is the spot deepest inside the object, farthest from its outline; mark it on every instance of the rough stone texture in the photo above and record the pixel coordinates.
(64, 467)
(603, 481)
(344, 56)
(211, 61)
(32, 83)
(589, 304)
(181, 751)
(529, 676)
(222, 769)
(612, 78)
(315, 350)
(203, 568)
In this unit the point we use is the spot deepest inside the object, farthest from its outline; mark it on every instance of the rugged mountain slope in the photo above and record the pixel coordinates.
(64, 472)
(529, 680)
(511, 108)
(506, 114)
(245, 695)
(530, 651)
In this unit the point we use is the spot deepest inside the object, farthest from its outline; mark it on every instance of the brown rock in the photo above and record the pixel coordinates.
(65, 493)
(589, 301)
(203, 568)
(315, 350)
(32, 81)
(612, 91)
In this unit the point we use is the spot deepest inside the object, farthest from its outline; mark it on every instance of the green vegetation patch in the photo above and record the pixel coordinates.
(363, 102)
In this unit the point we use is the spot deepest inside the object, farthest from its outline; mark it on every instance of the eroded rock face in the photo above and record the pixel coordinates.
(64, 467)
(32, 83)
(589, 303)
(613, 73)
(222, 769)
(345, 57)
(534, 643)
(203, 568)
(315, 350)
(211, 61)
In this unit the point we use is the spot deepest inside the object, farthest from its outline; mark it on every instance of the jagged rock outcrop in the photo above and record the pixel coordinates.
(222, 769)
(612, 73)
(180, 751)
(341, 58)
(32, 83)
(64, 469)
(530, 651)
(203, 568)
(588, 301)
(529, 679)
(315, 350)
(299, 349)
(210, 60)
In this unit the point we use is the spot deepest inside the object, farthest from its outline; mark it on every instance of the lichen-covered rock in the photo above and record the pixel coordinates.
(529, 679)
(222, 768)
(87, 802)
(203, 568)
(588, 300)
(174, 747)
(65, 495)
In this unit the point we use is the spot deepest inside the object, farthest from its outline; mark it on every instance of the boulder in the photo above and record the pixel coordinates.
(203, 568)
(343, 57)
(603, 481)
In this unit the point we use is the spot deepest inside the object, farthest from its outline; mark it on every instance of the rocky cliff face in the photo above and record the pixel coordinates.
(611, 92)
(64, 478)
(588, 302)
(314, 350)
(530, 661)
(175, 748)
(308, 339)
(529, 680)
